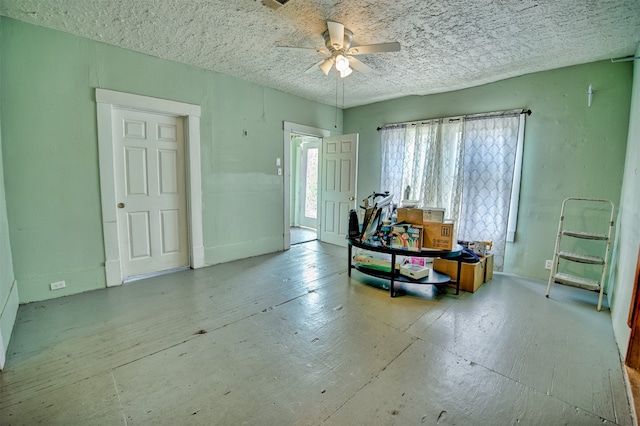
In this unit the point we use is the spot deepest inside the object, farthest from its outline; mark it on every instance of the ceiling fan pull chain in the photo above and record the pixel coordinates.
(335, 122)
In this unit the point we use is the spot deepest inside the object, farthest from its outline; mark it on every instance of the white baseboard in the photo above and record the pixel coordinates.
(230, 252)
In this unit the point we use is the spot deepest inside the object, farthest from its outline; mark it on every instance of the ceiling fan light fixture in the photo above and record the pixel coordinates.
(337, 40)
(326, 66)
(342, 63)
(346, 73)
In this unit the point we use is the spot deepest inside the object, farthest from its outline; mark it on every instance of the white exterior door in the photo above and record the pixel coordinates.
(150, 191)
(338, 186)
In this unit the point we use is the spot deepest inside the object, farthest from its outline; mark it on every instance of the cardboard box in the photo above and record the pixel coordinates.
(406, 237)
(432, 215)
(410, 215)
(488, 270)
(420, 216)
(437, 236)
(472, 274)
(478, 247)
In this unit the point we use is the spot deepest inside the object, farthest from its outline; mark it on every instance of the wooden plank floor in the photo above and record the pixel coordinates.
(289, 338)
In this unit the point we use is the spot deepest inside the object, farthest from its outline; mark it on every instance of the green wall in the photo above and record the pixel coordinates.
(569, 149)
(625, 251)
(8, 287)
(50, 153)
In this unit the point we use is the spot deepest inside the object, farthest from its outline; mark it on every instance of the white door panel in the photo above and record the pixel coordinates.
(170, 231)
(136, 171)
(139, 238)
(150, 187)
(338, 186)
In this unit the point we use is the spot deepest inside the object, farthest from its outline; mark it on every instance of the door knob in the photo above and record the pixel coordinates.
(352, 198)
(121, 205)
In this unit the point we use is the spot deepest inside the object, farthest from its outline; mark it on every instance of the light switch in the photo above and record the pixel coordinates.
(279, 171)
(278, 162)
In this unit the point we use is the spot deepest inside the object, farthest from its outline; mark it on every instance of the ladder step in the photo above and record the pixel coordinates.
(574, 281)
(581, 258)
(585, 235)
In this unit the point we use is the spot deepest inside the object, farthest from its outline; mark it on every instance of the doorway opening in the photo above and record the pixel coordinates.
(304, 187)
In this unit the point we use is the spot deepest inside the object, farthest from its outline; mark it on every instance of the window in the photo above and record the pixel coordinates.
(468, 165)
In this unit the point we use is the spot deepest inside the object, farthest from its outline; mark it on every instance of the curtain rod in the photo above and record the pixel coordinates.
(625, 59)
(469, 117)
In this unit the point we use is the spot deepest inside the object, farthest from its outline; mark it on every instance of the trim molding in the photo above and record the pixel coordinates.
(303, 130)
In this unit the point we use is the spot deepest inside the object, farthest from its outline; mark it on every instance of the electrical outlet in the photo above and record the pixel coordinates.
(548, 264)
(58, 285)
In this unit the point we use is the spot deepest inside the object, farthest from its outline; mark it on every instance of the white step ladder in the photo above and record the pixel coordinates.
(600, 251)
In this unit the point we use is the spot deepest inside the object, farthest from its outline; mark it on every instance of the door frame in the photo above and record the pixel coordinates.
(303, 130)
(106, 101)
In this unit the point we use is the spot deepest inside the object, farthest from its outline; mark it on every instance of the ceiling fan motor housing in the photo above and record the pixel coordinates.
(337, 40)
(335, 49)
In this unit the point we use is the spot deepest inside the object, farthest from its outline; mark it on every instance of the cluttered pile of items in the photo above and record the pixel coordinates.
(405, 227)
(412, 229)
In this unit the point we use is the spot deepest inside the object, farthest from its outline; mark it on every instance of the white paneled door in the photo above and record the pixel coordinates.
(150, 192)
(338, 186)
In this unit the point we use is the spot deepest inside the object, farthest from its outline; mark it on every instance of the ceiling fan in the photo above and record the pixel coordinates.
(337, 40)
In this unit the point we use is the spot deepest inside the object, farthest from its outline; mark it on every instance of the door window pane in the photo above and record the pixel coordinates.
(311, 189)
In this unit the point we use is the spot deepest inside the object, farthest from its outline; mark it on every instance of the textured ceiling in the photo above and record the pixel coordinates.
(446, 44)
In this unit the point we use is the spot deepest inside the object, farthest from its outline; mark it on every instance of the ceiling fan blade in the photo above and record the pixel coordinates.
(375, 48)
(358, 66)
(336, 34)
(307, 49)
(312, 68)
(326, 65)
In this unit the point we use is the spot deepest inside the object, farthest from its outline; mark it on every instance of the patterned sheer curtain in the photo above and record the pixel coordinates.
(491, 144)
(392, 140)
(444, 178)
(427, 158)
(468, 165)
